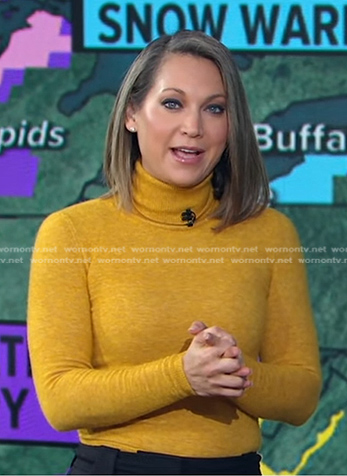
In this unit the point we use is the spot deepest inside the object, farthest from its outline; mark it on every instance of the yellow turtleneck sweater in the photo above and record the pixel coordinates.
(112, 295)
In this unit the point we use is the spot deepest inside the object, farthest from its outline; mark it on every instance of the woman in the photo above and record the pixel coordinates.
(184, 235)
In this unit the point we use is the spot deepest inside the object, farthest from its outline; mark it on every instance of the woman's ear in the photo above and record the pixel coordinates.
(130, 119)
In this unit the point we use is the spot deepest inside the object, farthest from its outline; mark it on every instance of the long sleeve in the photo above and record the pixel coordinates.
(287, 376)
(111, 297)
(73, 394)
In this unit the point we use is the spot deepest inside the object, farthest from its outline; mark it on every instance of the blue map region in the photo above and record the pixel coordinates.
(312, 182)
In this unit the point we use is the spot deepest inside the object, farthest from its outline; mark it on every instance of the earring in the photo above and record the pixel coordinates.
(132, 129)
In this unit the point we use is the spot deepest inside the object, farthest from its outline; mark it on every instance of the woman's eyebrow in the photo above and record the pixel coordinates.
(180, 91)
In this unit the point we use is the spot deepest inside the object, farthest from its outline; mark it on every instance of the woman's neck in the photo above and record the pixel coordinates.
(169, 204)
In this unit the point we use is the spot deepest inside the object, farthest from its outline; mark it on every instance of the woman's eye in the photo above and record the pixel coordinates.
(171, 103)
(216, 108)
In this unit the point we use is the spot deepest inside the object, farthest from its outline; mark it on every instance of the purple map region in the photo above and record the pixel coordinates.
(12, 77)
(66, 28)
(21, 418)
(18, 173)
(59, 60)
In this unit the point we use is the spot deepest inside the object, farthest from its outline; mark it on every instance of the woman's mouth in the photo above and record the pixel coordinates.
(188, 155)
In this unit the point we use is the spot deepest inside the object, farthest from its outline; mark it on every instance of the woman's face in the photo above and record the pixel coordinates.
(182, 125)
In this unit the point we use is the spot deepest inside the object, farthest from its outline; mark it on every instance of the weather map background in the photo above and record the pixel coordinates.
(55, 103)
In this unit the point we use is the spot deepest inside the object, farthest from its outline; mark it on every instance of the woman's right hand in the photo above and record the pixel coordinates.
(213, 365)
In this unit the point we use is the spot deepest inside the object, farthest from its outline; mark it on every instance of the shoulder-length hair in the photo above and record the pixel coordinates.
(240, 181)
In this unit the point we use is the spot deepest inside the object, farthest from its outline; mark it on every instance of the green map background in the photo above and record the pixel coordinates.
(272, 83)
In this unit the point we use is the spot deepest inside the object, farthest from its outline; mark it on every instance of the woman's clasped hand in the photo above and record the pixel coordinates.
(213, 363)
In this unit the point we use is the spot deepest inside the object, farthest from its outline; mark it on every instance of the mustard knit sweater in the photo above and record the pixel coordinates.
(112, 295)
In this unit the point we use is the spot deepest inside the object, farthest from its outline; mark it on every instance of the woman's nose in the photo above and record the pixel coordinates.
(192, 124)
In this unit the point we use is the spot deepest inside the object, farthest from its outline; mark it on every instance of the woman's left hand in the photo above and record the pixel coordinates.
(233, 351)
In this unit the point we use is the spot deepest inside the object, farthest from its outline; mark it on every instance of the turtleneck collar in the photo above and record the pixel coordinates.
(164, 203)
